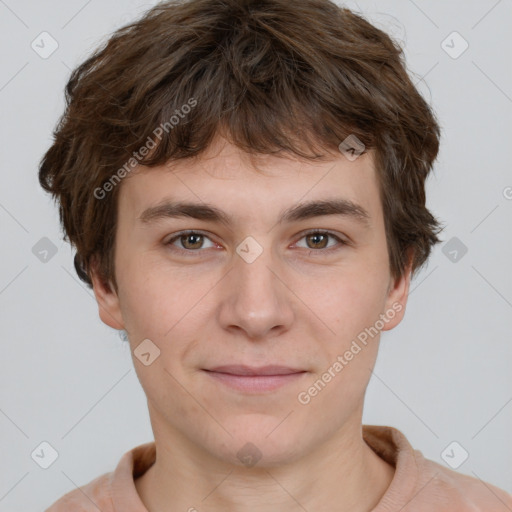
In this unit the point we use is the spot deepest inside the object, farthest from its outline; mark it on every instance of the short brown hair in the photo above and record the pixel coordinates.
(272, 75)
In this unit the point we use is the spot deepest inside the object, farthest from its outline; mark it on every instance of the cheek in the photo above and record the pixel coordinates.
(345, 302)
(154, 296)
(351, 307)
(167, 308)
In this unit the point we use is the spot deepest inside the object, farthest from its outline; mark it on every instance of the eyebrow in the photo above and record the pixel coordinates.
(302, 211)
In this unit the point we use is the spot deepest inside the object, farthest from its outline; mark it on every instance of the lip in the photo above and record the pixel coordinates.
(251, 379)
(240, 369)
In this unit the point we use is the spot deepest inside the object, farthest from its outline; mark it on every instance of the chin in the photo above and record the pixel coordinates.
(262, 443)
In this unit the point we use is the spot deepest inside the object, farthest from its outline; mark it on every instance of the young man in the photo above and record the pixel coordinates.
(243, 182)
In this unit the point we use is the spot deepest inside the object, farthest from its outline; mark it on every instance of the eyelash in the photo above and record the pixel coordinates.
(177, 236)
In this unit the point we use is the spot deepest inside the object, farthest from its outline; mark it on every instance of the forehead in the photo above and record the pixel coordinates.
(243, 185)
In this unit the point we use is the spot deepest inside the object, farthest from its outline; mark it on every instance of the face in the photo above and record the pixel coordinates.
(261, 322)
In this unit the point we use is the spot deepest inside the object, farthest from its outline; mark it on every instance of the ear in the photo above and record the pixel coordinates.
(398, 293)
(107, 299)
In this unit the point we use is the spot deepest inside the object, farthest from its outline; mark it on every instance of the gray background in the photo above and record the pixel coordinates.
(443, 374)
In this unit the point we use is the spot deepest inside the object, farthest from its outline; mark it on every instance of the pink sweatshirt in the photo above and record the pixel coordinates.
(419, 484)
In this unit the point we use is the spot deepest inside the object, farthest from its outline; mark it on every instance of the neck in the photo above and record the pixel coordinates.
(343, 471)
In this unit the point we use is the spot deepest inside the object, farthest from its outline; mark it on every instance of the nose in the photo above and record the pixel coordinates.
(256, 298)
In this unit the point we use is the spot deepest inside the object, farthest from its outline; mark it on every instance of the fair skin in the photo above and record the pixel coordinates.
(299, 304)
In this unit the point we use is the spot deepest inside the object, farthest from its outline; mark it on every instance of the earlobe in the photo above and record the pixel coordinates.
(108, 301)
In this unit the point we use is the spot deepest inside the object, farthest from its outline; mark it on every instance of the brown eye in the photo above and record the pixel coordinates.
(189, 242)
(319, 240)
(192, 241)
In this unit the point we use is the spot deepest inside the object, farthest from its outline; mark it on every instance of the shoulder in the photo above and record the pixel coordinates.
(458, 492)
(91, 497)
(111, 491)
(422, 485)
